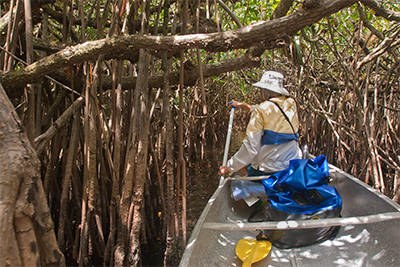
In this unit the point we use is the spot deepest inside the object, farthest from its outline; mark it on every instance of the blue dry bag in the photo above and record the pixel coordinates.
(301, 192)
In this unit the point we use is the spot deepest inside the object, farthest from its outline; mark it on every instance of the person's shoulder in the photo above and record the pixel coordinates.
(281, 99)
(265, 104)
(270, 102)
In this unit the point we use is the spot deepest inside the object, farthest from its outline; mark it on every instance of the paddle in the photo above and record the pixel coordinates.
(228, 140)
(248, 250)
(252, 250)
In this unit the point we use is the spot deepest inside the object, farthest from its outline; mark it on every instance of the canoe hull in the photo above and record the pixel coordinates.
(370, 244)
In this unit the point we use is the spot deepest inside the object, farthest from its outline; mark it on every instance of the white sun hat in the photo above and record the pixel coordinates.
(272, 81)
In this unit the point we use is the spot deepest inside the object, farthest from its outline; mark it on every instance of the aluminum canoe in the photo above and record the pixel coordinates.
(369, 233)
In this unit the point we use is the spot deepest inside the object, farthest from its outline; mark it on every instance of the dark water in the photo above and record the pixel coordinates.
(202, 180)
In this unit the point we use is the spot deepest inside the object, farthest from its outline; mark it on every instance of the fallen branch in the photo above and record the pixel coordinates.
(263, 34)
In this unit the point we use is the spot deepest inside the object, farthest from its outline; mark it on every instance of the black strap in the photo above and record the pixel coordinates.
(284, 114)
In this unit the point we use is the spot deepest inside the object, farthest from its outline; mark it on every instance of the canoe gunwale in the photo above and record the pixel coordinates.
(335, 170)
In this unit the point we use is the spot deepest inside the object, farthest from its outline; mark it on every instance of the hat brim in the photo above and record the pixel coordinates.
(275, 89)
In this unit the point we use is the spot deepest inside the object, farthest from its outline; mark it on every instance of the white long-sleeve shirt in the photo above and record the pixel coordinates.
(270, 143)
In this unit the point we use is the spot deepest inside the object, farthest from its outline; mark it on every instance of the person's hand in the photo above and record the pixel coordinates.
(223, 170)
(237, 104)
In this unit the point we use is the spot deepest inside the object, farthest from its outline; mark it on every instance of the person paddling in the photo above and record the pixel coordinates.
(272, 138)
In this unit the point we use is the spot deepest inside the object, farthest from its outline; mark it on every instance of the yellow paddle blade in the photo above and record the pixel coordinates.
(251, 250)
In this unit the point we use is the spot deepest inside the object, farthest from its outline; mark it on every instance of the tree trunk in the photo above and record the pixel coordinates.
(25, 222)
(169, 162)
(142, 132)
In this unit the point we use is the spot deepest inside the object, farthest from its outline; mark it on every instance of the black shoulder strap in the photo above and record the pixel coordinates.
(284, 114)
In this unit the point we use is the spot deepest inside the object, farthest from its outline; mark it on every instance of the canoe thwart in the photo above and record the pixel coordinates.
(304, 224)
